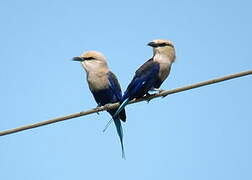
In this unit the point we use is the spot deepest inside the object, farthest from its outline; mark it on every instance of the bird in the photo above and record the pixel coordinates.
(151, 74)
(104, 86)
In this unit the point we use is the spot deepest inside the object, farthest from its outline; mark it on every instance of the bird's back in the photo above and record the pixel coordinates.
(144, 79)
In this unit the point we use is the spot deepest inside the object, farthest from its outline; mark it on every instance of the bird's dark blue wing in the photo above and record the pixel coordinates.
(115, 87)
(145, 78)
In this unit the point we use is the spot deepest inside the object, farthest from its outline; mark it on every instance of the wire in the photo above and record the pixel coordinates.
(115, 105)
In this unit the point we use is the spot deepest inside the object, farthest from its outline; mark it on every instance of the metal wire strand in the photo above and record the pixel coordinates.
(115, 105)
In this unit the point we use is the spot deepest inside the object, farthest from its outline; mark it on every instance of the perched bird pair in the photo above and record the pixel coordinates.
(149, 77)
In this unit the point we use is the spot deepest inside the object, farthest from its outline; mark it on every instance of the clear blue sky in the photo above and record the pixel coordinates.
(199, 134)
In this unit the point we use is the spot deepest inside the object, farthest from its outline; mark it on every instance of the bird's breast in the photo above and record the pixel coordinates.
(97, 81)
(164, 70)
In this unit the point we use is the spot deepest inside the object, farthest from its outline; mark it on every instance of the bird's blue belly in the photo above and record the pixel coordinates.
(104, 96)
(150, 84)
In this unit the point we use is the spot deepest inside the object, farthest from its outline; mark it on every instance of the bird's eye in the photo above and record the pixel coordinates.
(88, 58)
(163, 44)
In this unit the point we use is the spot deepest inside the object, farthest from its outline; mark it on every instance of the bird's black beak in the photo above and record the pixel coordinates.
(77, 59)
(152, 44)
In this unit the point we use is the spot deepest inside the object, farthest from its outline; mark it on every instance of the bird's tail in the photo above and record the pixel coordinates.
(115, 116)
(107, 125)
(121, 107)
(119, 130)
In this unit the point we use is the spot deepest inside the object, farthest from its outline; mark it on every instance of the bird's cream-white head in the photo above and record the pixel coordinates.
(163, 49)
(93, 61)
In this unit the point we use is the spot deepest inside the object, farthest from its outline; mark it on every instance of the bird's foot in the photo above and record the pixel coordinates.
(147, 95)
(164, 96)
(98, 105)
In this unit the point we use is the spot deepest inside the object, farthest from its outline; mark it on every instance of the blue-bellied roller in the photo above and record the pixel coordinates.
(151, 74)
(104, 86)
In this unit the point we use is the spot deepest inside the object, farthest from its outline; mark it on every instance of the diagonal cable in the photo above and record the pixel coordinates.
(115, 105)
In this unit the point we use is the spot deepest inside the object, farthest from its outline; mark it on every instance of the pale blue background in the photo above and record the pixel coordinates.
(199, 134)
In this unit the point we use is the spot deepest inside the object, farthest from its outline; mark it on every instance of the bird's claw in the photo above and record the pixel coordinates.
(164, 96)
(99, 105)
(148, 101)
(147, 95)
